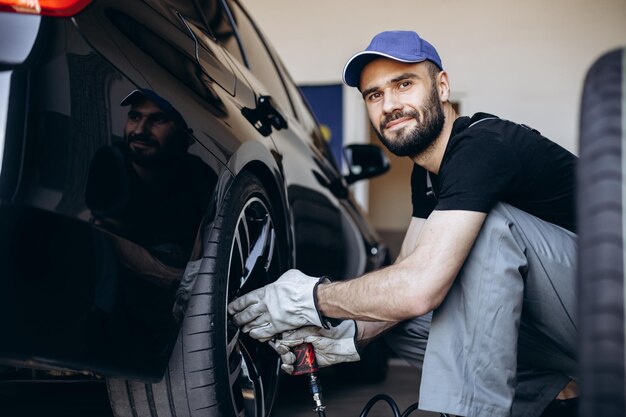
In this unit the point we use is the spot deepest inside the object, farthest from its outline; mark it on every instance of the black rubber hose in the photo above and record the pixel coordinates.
(410, 409)
(379, 397)
(413, 407)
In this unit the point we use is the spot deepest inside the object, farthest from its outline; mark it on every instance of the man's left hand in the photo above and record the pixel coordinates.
(286, 304)
(332, 346)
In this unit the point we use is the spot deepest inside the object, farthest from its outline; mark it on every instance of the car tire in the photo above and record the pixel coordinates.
(214, 370)
(601, 238)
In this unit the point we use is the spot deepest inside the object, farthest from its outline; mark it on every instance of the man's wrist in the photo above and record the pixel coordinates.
(327, 322)
(358, 336)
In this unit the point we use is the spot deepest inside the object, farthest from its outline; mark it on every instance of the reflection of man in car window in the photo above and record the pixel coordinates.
(151, 195)
(148, 188)
(156, 137)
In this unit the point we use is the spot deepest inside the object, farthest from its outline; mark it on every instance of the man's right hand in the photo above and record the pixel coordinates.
(332, 346)
(286, 304)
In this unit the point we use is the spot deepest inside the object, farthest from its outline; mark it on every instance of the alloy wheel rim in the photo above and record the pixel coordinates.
(253, 367)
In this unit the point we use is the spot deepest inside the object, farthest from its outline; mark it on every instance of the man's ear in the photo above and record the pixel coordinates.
(443, 86)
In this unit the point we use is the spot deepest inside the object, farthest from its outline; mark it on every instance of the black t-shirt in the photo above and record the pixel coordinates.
(489, 160)
(164, 216)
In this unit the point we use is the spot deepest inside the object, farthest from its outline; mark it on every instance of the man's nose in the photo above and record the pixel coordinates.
(391, 102)
(141, 126)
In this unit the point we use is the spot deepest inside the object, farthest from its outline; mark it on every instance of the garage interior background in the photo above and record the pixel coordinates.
(521, 60)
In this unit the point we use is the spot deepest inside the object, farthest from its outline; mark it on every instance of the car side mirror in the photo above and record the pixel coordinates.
(364, 161)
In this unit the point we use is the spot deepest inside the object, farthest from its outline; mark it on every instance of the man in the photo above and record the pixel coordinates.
(152, 194)
(156, 133)
(148, 188)
(490, 249)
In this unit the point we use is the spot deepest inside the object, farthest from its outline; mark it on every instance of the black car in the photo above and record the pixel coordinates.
(156, 162)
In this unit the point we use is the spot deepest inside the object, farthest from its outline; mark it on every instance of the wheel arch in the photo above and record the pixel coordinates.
(264, 164)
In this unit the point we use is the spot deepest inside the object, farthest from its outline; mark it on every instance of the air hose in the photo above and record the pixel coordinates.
(394, 407)
(306, 364)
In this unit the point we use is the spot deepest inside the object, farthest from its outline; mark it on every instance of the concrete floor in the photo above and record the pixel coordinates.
(344, 397)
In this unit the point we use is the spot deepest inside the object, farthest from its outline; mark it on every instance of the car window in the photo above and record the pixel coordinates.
(254, 55)
(207, 19)
(221, 28)
(306, 116)
(177, 60)
(169, 9)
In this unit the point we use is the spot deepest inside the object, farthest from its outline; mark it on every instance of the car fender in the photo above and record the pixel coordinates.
(265, 163)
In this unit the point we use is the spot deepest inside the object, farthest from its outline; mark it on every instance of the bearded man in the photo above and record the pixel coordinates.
(486, 270)
(149, 188)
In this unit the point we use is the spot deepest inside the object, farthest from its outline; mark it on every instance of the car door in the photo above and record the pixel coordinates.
(137, 236)
(323, 230)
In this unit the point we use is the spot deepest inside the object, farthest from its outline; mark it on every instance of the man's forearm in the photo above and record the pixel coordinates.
(367, 331)
(415, 285)
(391, 294)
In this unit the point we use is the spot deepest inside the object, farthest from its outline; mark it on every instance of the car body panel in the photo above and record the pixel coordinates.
(91, 262)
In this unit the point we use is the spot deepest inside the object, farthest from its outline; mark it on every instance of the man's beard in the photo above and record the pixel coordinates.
(419, 138)
(160, 157)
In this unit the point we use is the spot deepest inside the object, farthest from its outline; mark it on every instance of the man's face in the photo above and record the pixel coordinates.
(403, 105)
(153, 138)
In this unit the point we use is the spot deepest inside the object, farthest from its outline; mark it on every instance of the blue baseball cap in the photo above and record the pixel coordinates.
(164, 105)
(399, 45)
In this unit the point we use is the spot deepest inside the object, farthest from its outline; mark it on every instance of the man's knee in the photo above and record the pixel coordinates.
(498, 241)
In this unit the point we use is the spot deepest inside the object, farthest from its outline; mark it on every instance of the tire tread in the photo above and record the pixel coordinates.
(601, 251)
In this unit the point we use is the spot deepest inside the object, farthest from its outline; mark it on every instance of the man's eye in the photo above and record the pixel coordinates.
(405, 84)
(159, 118)
(374, 96)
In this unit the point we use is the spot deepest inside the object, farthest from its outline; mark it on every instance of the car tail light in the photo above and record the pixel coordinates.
(60, 8)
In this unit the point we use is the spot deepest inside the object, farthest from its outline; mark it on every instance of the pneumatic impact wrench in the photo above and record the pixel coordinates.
(306, 364)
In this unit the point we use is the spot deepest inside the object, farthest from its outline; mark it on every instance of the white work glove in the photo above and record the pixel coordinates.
(332, 346)
(286, 304)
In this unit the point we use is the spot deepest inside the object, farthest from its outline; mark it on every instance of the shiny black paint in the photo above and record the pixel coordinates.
(91, 261)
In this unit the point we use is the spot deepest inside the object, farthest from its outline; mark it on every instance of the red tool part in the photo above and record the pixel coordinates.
(306, 364)
(305, 359)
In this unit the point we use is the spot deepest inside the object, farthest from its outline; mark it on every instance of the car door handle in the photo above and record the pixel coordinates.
(265, 116)
(266, 106)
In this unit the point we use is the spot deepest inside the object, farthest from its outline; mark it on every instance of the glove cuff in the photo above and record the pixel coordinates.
(355, 339)
(327, 322)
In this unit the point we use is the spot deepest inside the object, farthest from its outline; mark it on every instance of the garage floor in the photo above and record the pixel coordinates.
(344, 398)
